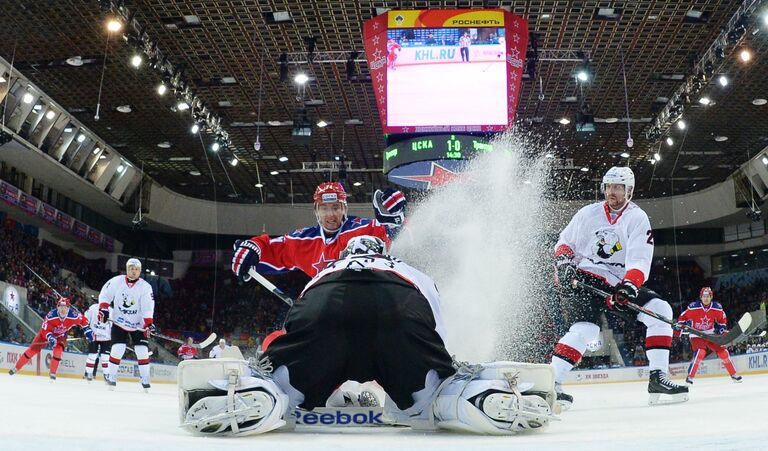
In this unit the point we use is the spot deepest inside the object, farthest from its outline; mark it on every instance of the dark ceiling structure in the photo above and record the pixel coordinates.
(230, 51)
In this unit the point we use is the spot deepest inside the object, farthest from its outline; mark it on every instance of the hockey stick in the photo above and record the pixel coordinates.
(270, 286)
(203, 344)
(748, 323)
(43, 280)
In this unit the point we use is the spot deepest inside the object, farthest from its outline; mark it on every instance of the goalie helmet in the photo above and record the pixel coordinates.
(620, 175)
(364, 245)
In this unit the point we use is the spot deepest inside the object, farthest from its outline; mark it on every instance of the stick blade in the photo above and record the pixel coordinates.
(208, 341)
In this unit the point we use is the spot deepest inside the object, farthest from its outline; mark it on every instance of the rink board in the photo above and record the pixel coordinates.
(753, 363)
(73, 365)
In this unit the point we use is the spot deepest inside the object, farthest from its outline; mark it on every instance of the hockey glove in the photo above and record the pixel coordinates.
(246, 255)
(149, 327)
(88, 333)
(624, 293)
(103, 314)
(565, 272)
(389, 206)
(51, 339)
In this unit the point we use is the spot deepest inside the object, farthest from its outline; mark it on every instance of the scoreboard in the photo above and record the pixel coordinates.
(434, 147)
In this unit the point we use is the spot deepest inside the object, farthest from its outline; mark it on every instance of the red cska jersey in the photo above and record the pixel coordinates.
(186, 352)
(309, 250)
(710, 320)
(59, 326)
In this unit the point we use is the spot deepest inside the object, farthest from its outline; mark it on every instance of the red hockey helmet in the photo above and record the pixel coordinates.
(330, 192)
(706, 290)
(63, 302)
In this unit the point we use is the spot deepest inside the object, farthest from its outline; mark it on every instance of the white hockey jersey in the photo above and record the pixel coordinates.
(411, 275)
(101, 331)
(216, 351)
(611, 246)
(131, 302)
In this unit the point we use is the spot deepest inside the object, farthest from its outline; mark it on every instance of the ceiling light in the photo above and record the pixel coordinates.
(301, 78)
(68, 130)
(670, 141)
(720, 138)
(657, 156)
(215, 147)
(357, 184)
(745, 55)
(124, 109)
(584, 169)
(693, 167)
(764, 160)
(80, 138)
(162, 89)
(195, 173)
(624, 155)
(759, 102)
(681, 124)
(195, 128)
(182, 106)
(136, 61)
(120, 169)
(2, 79)
(274, 123)
(564, 121)
(723, 80)
(321, 123)
(611, 120)
(546, 16)
(282, 159)
(234, 161)
(28, 98)
(653, 161)
(705, 100)
(259, 185)
(50, 115)
(37, 107)
(114, 25)
(164, 145)
(96, 150)
(582, 75)
(273, 172)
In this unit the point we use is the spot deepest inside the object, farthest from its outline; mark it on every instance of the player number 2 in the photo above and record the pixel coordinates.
(650, 237)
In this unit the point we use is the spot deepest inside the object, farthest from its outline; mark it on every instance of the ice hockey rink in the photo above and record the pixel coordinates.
(73, 414)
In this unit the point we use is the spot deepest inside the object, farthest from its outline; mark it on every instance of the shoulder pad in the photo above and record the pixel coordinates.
(717, 305)
(306, 232)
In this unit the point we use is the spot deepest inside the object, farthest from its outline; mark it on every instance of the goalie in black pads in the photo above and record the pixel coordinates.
(609, 246)
(367, 316)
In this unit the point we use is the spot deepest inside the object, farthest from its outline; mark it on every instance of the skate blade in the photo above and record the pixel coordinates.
(564, 405)
(737, 381)
(655, 399)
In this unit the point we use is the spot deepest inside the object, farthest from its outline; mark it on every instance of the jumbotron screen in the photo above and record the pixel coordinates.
(446, 70)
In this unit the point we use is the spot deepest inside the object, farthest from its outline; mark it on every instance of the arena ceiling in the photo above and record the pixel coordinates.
(230, 52)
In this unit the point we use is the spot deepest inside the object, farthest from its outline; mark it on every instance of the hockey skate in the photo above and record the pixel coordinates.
(736, 378)
(53, 378)
(689, 380)
(659, 384)
(563, 399)
(110, 383)
(12, 371)
(145, 385)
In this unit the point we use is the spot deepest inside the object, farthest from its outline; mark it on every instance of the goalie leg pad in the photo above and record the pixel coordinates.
(496, 398)
(227, 397)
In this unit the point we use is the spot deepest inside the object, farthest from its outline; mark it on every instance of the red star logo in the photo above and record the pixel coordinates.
(706, 323)
(438, 176)
(321, 264)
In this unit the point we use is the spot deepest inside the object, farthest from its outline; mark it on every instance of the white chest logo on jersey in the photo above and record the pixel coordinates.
(126, 304)
(607, 243)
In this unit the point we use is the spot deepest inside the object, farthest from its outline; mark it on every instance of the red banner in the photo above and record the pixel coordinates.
(80, 230)
(9, 193)
(64, 221)
(47, 213)
(29, 203)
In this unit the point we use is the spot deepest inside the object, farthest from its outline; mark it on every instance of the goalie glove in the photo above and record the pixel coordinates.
(246, 255)
(389, 206)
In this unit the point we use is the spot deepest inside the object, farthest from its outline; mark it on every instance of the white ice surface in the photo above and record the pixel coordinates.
(74, 415)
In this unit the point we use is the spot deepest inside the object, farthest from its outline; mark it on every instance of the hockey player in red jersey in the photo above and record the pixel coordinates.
(609, 245)
(310, 249)
(53, 332)
(187, 351)
(393, 48)
(707, 316)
